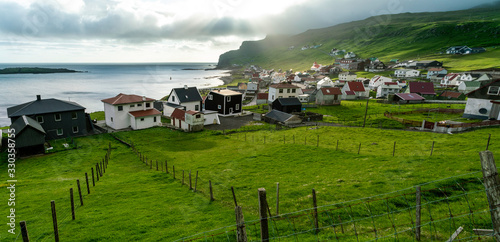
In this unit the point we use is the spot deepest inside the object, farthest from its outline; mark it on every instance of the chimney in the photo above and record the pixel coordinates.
(185, 87)
(38, 97)
(144, 103)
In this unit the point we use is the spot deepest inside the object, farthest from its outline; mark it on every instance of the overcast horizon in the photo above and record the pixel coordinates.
(154, 31)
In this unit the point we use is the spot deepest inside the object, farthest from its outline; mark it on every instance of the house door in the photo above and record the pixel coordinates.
(230, 110)
(495, 111)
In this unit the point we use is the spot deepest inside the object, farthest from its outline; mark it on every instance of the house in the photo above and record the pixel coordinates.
(406, 73)
(466, 87)
(424, 89)
(226, 102)
(252, 87)
(425, 64)
(435, 71)
(186, 98)
(134, 111)
(354, 90)
(287, 105)
(436, 79)
(376, 66)
(347, 76)
(469, 77)
(276, 116)
(262, 98)
(376, 81)
(452, 79)
(463, 49)
(325, 82)
(316, 66)
(408, 98)
(304, 98)
(349, 55)
(58, 118)
(29, 136)
(328, 96)
(283, 90)
(484, 102)
(449, 95)
(187, 120)
(387, 88)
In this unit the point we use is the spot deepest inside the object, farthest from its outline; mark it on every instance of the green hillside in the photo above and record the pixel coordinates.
(401, 36)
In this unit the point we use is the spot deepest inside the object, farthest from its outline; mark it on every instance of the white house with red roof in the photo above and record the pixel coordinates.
(354, 90)
(328, 96)
(283, 90)
(187, 120)
(348, 76)
(316, 66)
(376, 81)
(387, 88)
(452, 79)
(134, 111)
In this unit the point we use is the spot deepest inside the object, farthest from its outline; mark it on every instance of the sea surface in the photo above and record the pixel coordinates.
(98, 81)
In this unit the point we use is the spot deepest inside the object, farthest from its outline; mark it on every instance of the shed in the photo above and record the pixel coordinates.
(276, 116)
(287, 105)
(30, 136)
(449, 95)
(408, 98)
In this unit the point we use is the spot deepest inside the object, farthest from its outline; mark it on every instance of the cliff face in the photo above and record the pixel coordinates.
(401, 36)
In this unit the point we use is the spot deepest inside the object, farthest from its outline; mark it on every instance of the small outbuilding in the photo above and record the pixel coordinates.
(287, 105)
(276, 116)
(29, 136)
(408, 98)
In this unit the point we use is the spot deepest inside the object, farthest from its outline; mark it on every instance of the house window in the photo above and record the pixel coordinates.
(75, 129)
(57, 117)
(132, 105)
(39, 119)
(196, 107)
(219, 106)
(173, 98)
(74, 115)
(111, 119)
(120, 108)
(493, 90)
(228, 98)
(198, 116)
(154, 119)
(210, 97)
(237, 107)
(294, 90)
(287, 90)
(59, 131)
(142, 119)
(280, 90)
(148, 105)
(139, 105)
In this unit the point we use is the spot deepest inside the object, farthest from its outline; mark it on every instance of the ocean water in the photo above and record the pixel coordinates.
(100, 81)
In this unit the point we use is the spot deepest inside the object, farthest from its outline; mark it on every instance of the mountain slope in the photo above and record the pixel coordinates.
(401, 36)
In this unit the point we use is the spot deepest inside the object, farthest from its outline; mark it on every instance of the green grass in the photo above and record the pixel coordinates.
(133, 202)
(99, 115)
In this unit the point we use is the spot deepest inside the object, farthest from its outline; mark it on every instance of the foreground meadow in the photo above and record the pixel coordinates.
(133, 201)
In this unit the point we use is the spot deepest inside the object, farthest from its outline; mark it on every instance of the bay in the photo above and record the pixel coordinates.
(97, 81)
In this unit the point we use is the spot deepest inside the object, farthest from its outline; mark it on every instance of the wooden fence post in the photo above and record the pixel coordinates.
(277, 198)
(488, 144)
(54, 220)
(196, 181)
(432, 148)
(166, 167)
(211, 192)
(317, 142)
(79, 191)
(394, 149)
(103, 166)
(492, 186)
(156, 165)
(264, 226)
(337, 148)
(97, 171)
(24, 231)
(182, 177)
(234, 197)
(161, 164)
(418, 213)
(173, 168)
(87, 180)
(315, 206)
(359, 148)
(241, 232)
(151, 164)
(72, 203)
(93, 182)
(190, 181)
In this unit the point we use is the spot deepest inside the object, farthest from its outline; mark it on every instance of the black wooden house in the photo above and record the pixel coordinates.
(287, 105)
(225, 102)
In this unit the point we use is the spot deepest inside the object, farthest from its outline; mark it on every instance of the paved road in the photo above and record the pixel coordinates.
(230, 122)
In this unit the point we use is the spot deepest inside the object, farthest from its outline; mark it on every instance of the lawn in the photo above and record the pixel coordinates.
(134, 202)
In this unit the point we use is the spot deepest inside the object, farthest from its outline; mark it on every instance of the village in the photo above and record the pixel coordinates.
(283, 95)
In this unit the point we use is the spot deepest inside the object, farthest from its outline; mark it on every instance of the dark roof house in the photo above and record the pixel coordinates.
(287, 105)
(276, 116)
(30, 136)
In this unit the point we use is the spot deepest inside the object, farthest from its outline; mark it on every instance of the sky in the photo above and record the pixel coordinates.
(76, 31)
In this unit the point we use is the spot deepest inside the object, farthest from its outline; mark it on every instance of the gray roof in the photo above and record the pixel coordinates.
(289, 101)
(278, 115)
(189, 94)
(21, 123)
(42, 106)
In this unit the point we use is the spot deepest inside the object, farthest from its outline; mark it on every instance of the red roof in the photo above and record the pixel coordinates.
(356, 86)
(144, 113)
(452, 76)
(178, 114)
(390, 83)
(331, 91)
(283, 85)
(350, 93)
(125, 98)
(410, 96)
(422, 88)
(451, 94)
(192, 112)
(435, 69)
(262, 96)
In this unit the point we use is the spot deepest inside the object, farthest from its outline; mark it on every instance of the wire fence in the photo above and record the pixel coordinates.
(445, 205)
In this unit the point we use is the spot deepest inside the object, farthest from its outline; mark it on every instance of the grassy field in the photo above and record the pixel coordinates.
(133, 202)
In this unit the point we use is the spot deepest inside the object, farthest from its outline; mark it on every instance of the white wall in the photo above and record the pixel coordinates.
(474, 104)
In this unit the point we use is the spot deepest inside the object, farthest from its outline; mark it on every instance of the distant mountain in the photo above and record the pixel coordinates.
(401, 36)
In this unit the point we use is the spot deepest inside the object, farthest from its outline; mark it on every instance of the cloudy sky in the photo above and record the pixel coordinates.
(34, 31)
